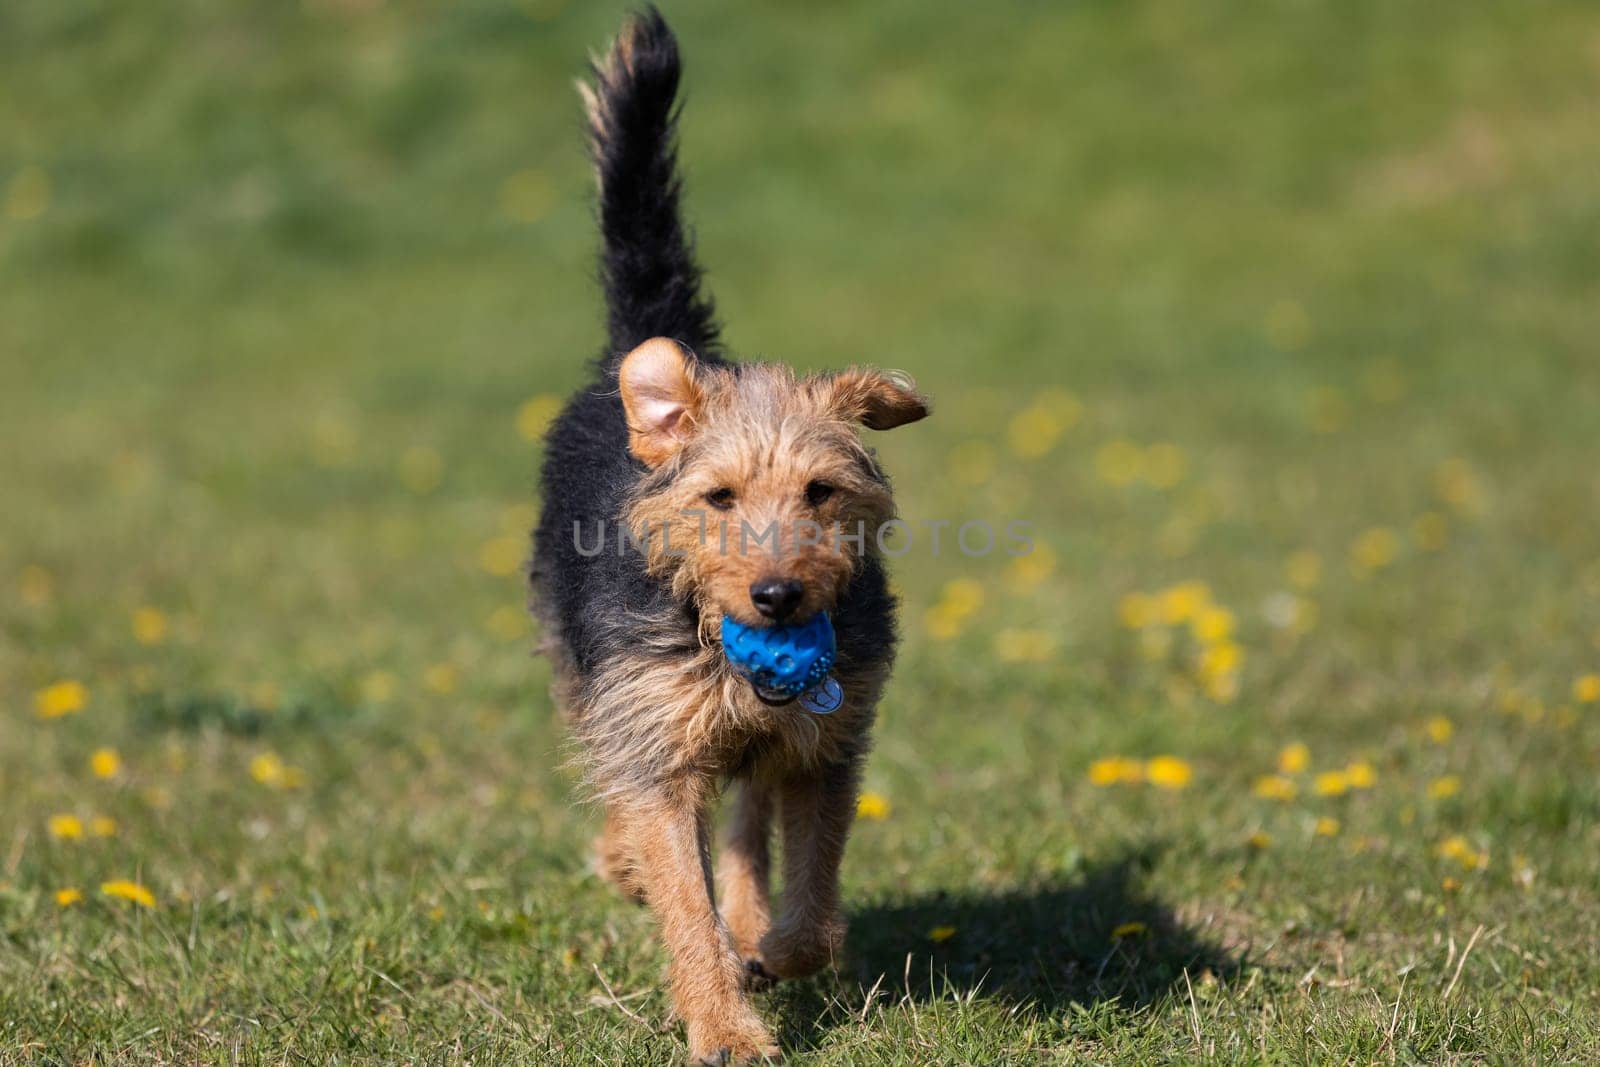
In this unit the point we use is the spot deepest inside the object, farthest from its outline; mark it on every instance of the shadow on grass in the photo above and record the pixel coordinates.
(1039, 949)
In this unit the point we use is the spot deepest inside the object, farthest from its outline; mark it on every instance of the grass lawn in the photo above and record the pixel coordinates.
(1277, 321)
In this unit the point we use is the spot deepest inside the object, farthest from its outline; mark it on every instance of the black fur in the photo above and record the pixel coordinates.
(647, 265)
(596, 606)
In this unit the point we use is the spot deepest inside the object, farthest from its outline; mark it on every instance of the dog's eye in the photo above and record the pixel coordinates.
(721, 499)
(817, 493)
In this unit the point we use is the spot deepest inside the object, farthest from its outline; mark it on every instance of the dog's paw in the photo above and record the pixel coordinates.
(789, 952)
(751, 1045)
(757, 979)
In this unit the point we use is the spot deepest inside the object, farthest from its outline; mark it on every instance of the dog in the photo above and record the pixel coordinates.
(685, 452)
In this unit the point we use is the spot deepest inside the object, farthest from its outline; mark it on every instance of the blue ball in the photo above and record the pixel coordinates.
(787, 660)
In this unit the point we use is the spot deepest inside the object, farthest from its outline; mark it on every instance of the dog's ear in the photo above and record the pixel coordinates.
(876, 400)
(660, 397)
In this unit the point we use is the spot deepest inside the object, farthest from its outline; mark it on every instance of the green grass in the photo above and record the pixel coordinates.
(276, 279)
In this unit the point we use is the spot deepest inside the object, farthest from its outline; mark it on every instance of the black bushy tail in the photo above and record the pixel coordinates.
(647, 266)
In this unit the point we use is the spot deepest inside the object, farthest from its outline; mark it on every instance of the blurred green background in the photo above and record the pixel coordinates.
(1276, 320)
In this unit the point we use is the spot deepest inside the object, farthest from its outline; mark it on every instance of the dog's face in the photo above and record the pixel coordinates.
(761, 497)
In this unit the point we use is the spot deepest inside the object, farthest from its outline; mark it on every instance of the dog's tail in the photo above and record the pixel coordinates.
(647, 265)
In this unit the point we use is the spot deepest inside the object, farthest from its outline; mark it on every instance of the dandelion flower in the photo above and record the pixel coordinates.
(1450, 885)
(149, 626)
(1023, 646)
(507, 623)
(940, 934)
(1029, 569)
(441, 678)
(1220, 659)
(1274, 787)
(872, 806)
(1182, 602)
(1440, 729)
(1128, 929)
(1294, 758)
(103, 826)
(1374, 549)
(1458, 848)
(1327, 827)
(1115, 770)
(1303, 569)
(377, 687)
(1118, 463)
(1136, 611)
(1165, 465)
(1213, 625)
(1361, 775)
(65, 898)
(126, 890)
(964, 596)
(501, 556)
(1034, 431)
(1168, 772)
(1586, 690)
(62, 698)
(65, 827)
(1456, 485)
(1331, 784)
(105, 763)
(1259, 840)
(1444, 787)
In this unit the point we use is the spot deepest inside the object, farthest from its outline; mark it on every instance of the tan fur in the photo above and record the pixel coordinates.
(663, 723)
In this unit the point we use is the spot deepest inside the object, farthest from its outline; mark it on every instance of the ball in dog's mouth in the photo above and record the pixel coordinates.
(780, 662)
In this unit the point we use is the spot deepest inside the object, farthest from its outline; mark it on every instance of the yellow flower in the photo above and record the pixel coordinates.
(1444, 787)
(1222, 688)
(1128, 929)
(507, 623)
(1115, 770)
(942, 622)
(1034, 431)
(1184, 601)
(1028, 570)
(62, 698)
(1450, 885)
(1168, 772)
(1361, 775)
(1165, 465)
(103, 826)
(1439, 729)
(421, 469)
(1331, 784)
(535, 415)
(501, 556)
(1220, 659)
(1294, 758)
(1136, 611)
(36, 585)
(873, 806)
(441, 678)
(377, 687)
(1458, 848)
(972, 462)
(1213, 625)
(1259, 839)
(1304, 569)
(1119, 462)
(1327, 409)
(1456, 485)
(125, 890)
(105, 763)
(1374, 549)
(1274, 787)
(65, 827)
(940, 934)
(1327, 827)
(149, 626)
(65, 898)
(1431, 531)
(267, 768)
(1023, 646)
(962, 595)
(1586, 690)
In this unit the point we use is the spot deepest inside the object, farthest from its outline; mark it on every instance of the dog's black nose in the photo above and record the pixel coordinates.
(776, 598)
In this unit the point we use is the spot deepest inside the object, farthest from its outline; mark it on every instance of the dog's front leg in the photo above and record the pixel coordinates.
(816, 812)
(669, 839)
(744, 868)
